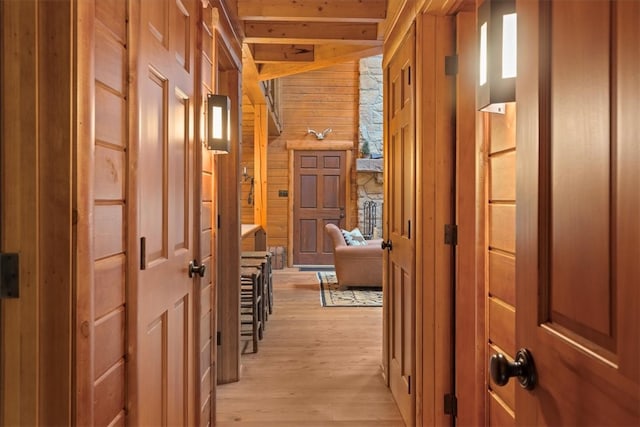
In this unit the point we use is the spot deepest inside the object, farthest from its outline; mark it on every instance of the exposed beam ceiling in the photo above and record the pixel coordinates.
(313, 10)
(290, 36)
(284, 37)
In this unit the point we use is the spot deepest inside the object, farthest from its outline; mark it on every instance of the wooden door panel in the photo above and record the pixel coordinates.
(331, 191)
(157, 22)
(399, 285)
(308, 191)
(401, 325)
(181, 41)
(166, 216)
(499, 413)
(577, 292)
(153, 167)
(319, 188)
(179, 183)
(154, 350)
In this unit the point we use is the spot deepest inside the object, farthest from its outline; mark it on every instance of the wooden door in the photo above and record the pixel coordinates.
(164, 360)
(319, 188)
(578, 228)
(399, 289)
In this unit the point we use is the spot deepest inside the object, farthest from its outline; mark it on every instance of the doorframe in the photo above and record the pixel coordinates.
(316, 145)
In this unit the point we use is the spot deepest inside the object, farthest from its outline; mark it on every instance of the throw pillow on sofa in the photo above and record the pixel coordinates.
(353, 237)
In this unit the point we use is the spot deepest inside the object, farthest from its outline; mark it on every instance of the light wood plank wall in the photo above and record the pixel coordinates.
(501, 257)
(326, 98)
(110, 183)
(246, 158)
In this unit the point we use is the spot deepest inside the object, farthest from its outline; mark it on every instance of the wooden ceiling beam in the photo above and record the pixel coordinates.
(251, 85)
(313, 10)
(268, 53)
(325, 55)
(308, 32)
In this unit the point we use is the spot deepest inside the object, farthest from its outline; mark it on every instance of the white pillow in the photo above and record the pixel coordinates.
(353, 237)
(357, 236)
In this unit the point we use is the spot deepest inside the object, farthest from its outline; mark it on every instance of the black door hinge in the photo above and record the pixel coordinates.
(451, 404)
(219, 221)
(450, 234)
(451, 65)
(218, 337)
(9, 276)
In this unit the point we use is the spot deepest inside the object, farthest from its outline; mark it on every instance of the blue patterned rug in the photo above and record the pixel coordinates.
(331, 296)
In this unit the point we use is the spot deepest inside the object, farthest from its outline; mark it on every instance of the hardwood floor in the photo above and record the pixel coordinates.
(316, 366)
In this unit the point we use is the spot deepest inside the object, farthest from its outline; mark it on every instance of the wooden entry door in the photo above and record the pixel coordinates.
(400, 197)
(166, 177)
(578, 228)
(319, 188)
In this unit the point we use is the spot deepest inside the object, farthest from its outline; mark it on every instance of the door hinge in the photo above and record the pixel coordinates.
(9, 276)
(143, 253)
(218, 337)
(219, 221)
(450, 234)
(451, 65)
(451, 404)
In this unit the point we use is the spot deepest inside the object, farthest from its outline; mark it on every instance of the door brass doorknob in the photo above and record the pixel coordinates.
(387, 245)
(523, 368)
(194, 268)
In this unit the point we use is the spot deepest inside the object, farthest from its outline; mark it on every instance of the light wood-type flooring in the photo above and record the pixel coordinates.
(316, 366)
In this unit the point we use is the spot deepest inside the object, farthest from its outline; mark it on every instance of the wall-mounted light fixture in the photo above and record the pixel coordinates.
(497, 36)
(218, 123)
(246, 177)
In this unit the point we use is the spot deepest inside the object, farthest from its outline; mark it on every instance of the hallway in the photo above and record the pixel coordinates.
(316, 366)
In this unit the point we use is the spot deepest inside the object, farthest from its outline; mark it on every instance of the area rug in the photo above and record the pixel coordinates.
(331, 296)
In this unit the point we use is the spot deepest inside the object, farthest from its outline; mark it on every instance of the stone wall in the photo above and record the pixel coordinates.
(371, 104)
(369, 170)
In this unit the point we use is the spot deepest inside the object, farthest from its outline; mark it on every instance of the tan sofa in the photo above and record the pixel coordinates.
(356, 265)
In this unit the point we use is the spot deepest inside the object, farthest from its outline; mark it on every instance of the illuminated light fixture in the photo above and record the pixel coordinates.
(497, 35)
(218, 123)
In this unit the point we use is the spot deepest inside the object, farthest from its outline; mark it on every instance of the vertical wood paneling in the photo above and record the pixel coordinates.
(56, 137)
(247, 161)
(19, 320)
(471, 362)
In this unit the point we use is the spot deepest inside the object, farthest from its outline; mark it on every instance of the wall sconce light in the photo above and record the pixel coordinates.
(218, 123)
(246, 177)
(497, 35)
